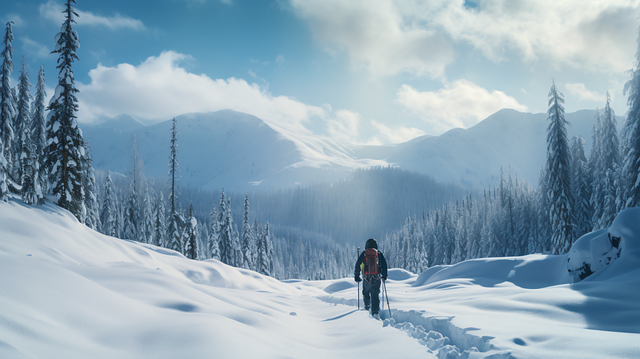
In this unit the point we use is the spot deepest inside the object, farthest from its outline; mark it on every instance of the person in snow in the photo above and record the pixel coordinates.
(373, 266)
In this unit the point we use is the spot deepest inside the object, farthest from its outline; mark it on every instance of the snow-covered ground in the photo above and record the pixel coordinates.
(69, 292)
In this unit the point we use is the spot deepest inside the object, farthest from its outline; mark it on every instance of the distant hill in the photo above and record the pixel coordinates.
(240, 152)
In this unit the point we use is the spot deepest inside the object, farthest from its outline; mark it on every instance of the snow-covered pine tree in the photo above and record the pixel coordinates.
(131, 212)
(190, 239)
(147, 216)
(213, 249)
(7, 112)
(65, 145)
(30, 189)
(108, 216)
(92, 217)
(22, 121)
(159, 223)
(265, 252)
(133, 221)
(558, 175)
(174, 222)
(580, 187)
(608, 161)
(235, 238)
(225, 240)
(39, 129)
(247, 241)
(630, 181)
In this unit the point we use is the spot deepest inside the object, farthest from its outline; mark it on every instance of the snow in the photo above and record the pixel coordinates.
(67, 291)
(261, 156)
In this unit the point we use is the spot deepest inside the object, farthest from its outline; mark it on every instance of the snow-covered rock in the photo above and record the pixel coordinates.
(596, 250)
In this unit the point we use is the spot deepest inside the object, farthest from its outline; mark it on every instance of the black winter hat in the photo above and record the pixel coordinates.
(371, 243)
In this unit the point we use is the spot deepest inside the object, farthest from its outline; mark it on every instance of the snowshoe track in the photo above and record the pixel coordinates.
(441, 337)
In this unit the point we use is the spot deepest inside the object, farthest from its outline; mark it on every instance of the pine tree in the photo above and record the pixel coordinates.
(92, 217)
(147, 217)
(7, 112)
(159, 223)
(190, 236)
(558, 175)
(30, 190)
(235, 238)
(630, 181)
(265, 252)
(65, 144)
(247, 242)
(225, 236)
(606, 164)
(39, 129)
(22, 121)
(580, 187)
(133, 221)
(108, 216)
(214, 234)
(131, 216)
(174, 220)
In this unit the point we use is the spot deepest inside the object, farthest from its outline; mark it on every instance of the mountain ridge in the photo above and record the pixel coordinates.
(241, 152)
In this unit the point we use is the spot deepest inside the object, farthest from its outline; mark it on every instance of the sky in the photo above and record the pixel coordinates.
(357, 72)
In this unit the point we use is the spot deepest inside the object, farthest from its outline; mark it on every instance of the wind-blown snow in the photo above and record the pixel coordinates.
(69, 292)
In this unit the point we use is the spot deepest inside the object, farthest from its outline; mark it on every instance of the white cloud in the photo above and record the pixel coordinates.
(280, 60)
(392, 36)
(34, 49)
(580, 90)
(399, 135)
(53, 11)
(159, 89)
(375, 36)
(17, 20)
(459, 104)
(344, 127)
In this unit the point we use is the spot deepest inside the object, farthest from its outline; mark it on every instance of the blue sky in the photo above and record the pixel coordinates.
(374, 71)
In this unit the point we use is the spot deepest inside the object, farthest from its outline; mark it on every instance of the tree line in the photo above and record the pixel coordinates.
(575, 195)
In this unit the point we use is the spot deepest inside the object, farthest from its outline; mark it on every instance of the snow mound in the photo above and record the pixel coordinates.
(531, 271)
(597, 250)
(399, 274)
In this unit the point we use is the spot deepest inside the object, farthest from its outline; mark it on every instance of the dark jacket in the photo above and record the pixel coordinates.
(382, 265)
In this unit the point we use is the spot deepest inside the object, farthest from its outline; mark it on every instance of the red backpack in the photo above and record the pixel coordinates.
(370, 261)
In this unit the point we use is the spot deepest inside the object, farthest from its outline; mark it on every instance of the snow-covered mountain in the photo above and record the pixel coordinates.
(69, 292)
(240, 152)
(473, 157)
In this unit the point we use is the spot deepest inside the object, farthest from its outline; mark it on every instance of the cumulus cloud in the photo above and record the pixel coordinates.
(392, 36)
(459, 104)
(581, 91)
(375, 36)
(159, 89)
(398, 135)
(53, 11)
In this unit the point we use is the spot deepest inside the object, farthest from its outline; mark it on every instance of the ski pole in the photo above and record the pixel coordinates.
(387, 295)
(358, 282)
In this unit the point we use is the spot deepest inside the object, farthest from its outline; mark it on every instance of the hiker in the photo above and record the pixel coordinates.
(374, 269)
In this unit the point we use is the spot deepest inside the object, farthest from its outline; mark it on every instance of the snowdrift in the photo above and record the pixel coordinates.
(69, 292)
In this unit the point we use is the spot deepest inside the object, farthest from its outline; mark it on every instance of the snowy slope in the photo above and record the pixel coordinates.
(240, 152)
(474, 156)
(69, 292)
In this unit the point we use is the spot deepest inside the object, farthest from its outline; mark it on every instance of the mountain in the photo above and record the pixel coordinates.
(222, 149)
(473, 157)
(240, 152)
